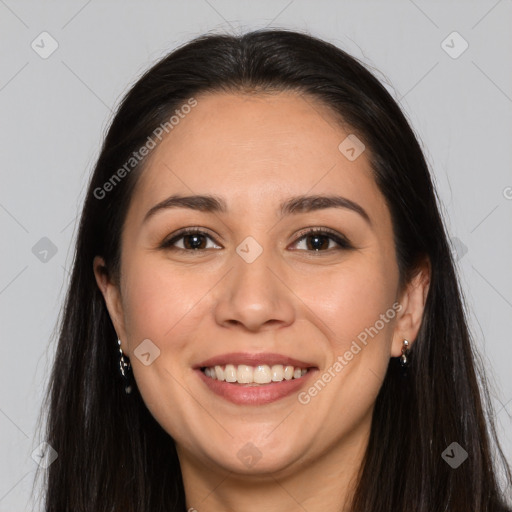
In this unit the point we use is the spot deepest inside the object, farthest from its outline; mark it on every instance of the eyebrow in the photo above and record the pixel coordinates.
(293, 205)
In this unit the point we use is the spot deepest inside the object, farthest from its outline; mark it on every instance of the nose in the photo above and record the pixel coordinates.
(254, 296)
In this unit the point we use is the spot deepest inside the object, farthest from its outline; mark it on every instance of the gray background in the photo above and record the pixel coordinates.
(54, 112)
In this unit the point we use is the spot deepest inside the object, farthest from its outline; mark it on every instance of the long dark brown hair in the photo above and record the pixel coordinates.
(112, 453)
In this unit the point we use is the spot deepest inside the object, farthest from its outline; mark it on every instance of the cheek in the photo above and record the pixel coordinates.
(351, 300)
(158, 301)
(165, 307)
(353, 307)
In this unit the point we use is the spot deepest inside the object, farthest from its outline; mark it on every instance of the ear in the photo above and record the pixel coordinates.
(112, 296)
(412, 299)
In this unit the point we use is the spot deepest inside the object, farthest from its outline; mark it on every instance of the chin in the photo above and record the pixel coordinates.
(249, 458)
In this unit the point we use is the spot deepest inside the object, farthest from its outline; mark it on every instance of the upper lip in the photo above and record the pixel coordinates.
(248, 359)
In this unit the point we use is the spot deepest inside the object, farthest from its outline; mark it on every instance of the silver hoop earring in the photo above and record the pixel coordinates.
(405, 350)
(125, 368)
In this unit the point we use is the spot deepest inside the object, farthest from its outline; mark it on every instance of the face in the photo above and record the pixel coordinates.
(254, 280)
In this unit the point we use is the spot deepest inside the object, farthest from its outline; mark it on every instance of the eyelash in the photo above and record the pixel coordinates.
(342, 242)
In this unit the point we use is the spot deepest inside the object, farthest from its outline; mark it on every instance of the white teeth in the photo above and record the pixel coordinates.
(261, 374)
(219, 373)
(277, 373)
(230, 373)
(244, 374)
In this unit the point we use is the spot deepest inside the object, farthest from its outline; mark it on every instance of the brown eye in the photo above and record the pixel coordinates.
(319, 240)
(193, 240)
(316, 240)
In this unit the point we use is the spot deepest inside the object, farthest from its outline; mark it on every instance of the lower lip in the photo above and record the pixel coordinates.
(255, 395)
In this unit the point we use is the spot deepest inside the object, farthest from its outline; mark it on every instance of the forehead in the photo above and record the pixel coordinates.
(254, 148)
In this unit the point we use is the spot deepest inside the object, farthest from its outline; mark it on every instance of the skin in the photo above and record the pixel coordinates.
(256, 151)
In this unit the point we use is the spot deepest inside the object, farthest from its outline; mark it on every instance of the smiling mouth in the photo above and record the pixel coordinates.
(245, 375)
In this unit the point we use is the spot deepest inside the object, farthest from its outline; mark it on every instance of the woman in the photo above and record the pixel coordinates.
(263, 311)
